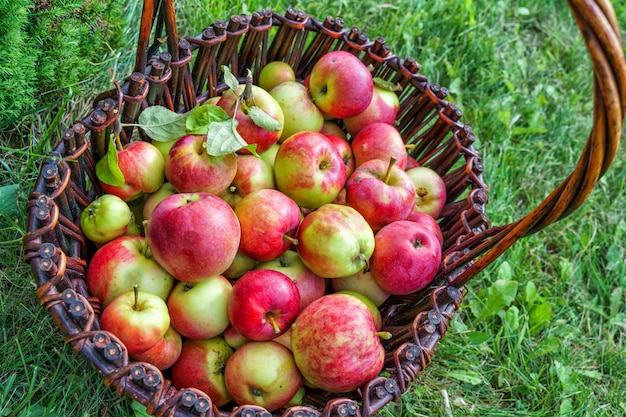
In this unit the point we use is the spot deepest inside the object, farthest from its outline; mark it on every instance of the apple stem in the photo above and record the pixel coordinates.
(118, 141)
(392, 162)
(384, 335)
(273, 323)
(293, 240)
(136, 291)
(247, 91)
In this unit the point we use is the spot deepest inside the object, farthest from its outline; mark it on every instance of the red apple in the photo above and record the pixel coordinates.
(341, 85)
(335, 241)
(263, 374)
(331, 128)
(299, 111)
(121, 264)
(194, 236)
(430, 190)
(165, 353)
(309, 169)
(253, 174)
(249, 131)
(263, 304)
(310, 286)
(427, 222)
(143, 167)
(378, 320)
(155, 198)
(201, 365)
(411, 162)
(335, 343)
(344, 148)
(275, 73)
(406, 257)
(269, 222)
(106, 218)
(199, 310)
(139, 319)
(364, 283)
(382, 109)
(379, 141)
(234, 338)
(381, 191)
(189, 168)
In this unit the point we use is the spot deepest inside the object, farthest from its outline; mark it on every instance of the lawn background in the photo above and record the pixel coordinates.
(554, 347)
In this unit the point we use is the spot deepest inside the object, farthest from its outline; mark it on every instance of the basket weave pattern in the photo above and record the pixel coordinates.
(188, 75)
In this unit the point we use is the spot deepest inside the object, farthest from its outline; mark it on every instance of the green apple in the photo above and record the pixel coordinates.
(335, 241)
(105, 218)
(275, 73)
(300, 113)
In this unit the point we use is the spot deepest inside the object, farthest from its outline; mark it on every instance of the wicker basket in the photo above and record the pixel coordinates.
(189, 74)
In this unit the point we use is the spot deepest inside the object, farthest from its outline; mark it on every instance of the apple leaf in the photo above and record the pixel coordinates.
(200, 118)
(231, 81)
(264, 120)
(162, 124)
(387, 85)
(223, 138)
(107, 168)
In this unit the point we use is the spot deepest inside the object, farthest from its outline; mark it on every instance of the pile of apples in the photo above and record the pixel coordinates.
(258, 277)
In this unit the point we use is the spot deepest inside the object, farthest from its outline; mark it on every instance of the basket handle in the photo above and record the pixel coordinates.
(600, 29)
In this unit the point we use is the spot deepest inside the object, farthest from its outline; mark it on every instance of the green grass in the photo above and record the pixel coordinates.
(522, 76)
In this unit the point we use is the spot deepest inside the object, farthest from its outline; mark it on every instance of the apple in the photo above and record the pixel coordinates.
(123, 263)
(331, 128)
(269, 222)
(406, 259)
(335, 241)
(199, 310)
(378, 320)
(164, 146)
(189, 168)
(249, 131)
(105, 218)
(155, 198)
(263, 374)
(427, 222)
(297, 398)
(275, 73)
(411, 162)
(310, 286)
(240, 265)
(382, 109)
(309, 169)
(284, 339)
(381, 191)
(263, 304)
(344, 148)
(364, 283)
(143, 167)
(269, 155)
(201, 365)
(253, 174)
(165, 353)
(138, 318)
(341, 197)
(430, 190)
(299, 111)
(194, 236)
(379, 141)
(335, 343)
(234, 338)
(341, 85)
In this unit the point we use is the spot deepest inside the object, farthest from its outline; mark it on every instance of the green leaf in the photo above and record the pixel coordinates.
(264, 120)
(199, 119)
(617, 300)
(500, 295)
(531, 292)
(8, 200)
(223, 138)
(162, 124)
(139, 410)
(107, 169)
(540, 315)
(465, 375)
(477, 338)
(231, 81)
(504, 271)
(387, 85)
(546, 346)
(511, 318)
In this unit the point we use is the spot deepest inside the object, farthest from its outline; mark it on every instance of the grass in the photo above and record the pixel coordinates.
(541, 332)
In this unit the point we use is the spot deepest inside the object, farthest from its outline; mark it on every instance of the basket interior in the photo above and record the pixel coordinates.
(59, 253)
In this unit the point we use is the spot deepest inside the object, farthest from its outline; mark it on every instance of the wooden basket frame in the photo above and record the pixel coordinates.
(188, 74)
